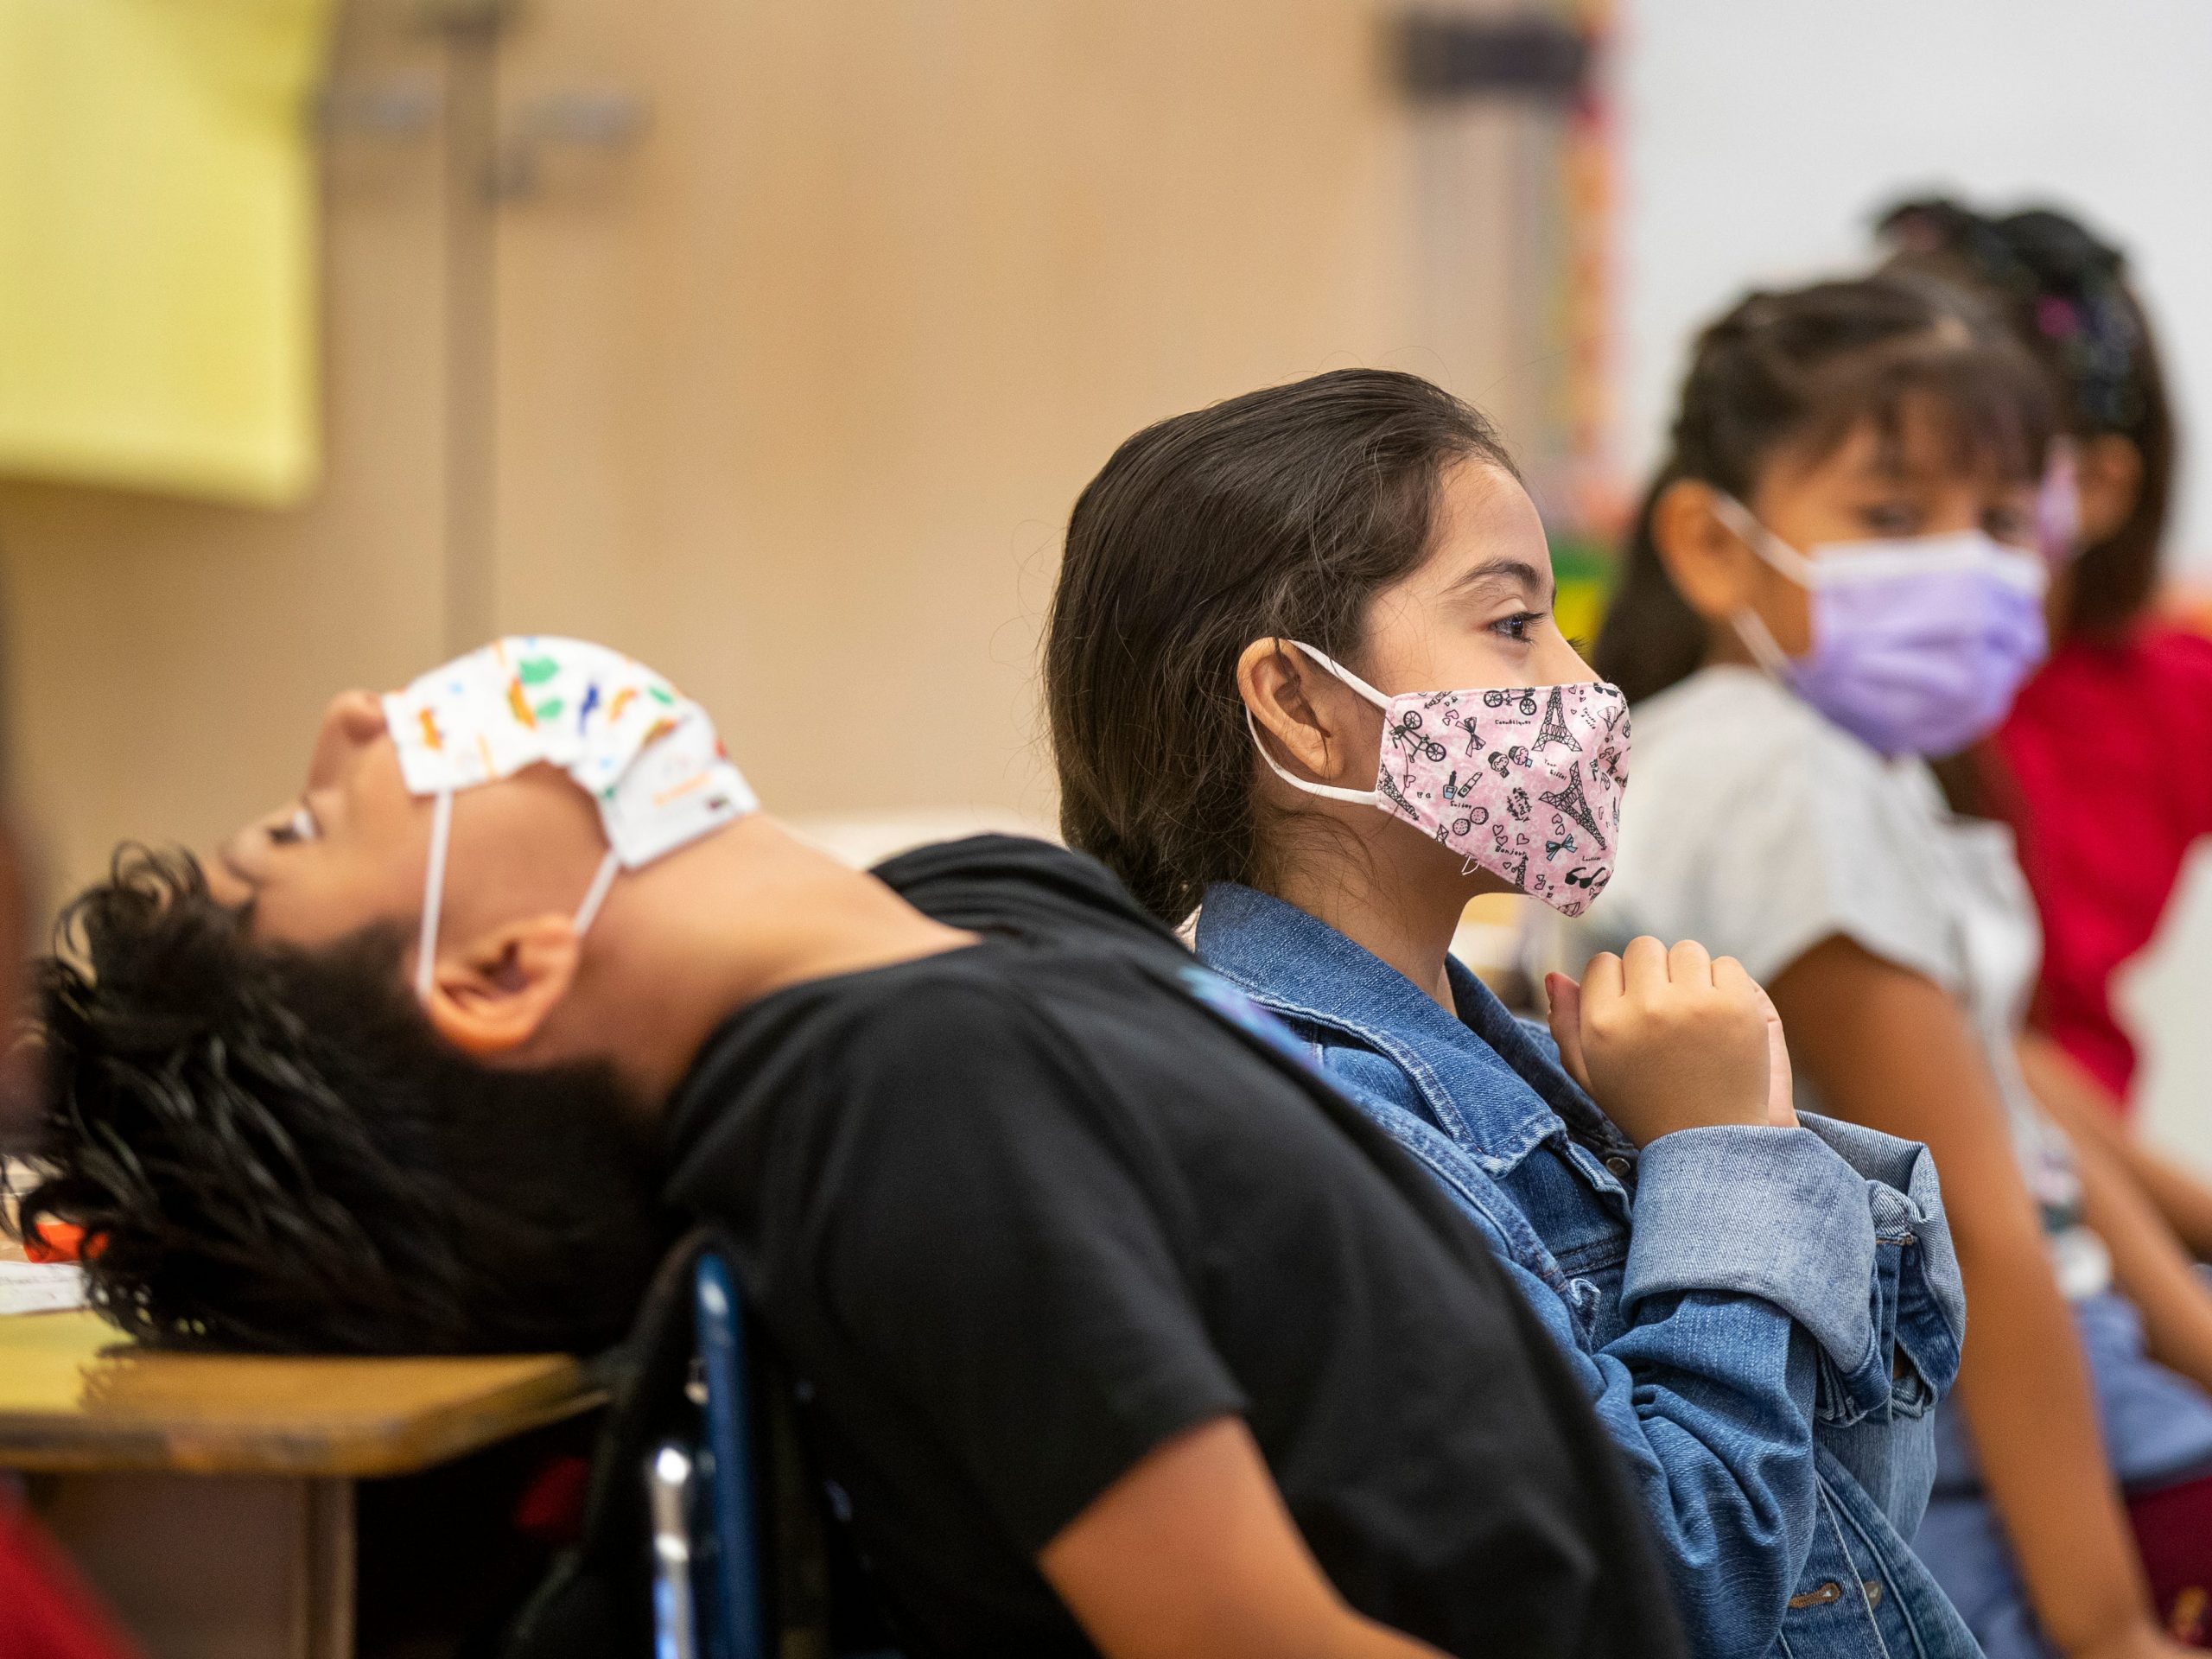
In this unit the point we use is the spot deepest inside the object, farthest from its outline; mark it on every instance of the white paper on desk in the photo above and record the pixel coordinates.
(40, 1287)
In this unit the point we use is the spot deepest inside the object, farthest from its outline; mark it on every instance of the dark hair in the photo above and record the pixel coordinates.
(1799, 370)
(2065, 294)
(269, 1147)
(1280, 512)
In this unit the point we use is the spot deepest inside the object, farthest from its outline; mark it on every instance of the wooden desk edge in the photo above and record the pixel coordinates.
(43, 1445)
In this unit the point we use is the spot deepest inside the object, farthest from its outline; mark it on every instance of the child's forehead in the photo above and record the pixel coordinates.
(1488, 533)
(1919, 438)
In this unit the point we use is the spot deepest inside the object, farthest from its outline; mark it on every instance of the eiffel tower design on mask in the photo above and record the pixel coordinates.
(1554, 729)
(1565, 745)
(1570, 800)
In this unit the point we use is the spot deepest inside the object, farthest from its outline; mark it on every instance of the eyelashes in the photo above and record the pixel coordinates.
(1515, 627)
(299, 826)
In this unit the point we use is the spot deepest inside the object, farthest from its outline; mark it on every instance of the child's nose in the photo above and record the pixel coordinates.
(1566, 666)
(358, 715)
(351, 721)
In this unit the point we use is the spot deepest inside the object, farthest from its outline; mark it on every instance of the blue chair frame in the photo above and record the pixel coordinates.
(733, 1598)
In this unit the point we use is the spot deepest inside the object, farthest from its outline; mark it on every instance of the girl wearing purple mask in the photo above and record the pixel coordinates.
(1834, 575)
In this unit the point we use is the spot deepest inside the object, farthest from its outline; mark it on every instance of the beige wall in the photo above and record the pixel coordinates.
(167, 659)
(790, 396)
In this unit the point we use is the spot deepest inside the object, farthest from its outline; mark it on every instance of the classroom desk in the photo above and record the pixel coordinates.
(210, 1496)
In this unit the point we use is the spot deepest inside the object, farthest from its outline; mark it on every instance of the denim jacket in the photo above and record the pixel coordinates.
(1764, 1318)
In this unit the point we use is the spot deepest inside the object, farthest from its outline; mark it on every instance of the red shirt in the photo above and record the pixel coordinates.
(2109, 752)
(46, 1612)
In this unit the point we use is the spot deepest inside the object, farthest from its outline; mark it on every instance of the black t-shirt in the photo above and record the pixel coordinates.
(1018, 1213)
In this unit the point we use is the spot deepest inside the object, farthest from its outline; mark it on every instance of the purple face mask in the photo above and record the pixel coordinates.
(1918, 644)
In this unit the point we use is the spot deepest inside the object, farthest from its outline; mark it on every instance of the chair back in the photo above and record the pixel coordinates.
(731, 1553)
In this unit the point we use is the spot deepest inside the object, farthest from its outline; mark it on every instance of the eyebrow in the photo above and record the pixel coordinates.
(1509, 573)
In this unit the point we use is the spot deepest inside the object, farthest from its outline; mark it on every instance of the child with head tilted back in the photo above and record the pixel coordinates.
(1835, 575)
(1302, 667)
(1123, 1335)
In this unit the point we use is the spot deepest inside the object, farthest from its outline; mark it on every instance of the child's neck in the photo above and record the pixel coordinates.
(1724, 646)
(1403, 909)
(746, 912)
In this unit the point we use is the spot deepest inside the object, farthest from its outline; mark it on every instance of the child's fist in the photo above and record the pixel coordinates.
(1672, 1039)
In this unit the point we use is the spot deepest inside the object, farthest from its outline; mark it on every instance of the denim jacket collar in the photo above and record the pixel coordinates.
(1487, 1080)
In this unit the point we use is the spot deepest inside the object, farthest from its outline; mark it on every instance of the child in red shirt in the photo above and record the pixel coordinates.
(2105, 765)
(2131, 714)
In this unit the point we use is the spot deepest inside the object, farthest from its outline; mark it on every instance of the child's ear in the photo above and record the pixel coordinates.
(492, 995)
(2107, 476)
(1290, 699)
(1708, 563)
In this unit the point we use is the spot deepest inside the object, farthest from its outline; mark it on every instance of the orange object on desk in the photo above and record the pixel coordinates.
(54, 1241)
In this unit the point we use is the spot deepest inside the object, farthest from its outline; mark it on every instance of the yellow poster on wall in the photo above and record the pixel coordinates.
(158, 265)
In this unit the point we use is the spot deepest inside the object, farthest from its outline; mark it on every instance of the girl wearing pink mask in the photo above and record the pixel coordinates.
(1835, 575)
(1305, 679)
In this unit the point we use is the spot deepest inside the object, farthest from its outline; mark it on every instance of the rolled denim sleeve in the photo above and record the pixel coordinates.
(1757, 1211)
(1842, 1228)
(1922, 1307)
(1880, 1422)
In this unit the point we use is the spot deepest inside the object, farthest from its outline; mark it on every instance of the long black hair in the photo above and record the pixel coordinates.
(2066, 293)
(270, 1148)
(1799, 369)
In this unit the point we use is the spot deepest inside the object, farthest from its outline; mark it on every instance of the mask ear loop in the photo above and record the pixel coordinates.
(1357, 796)
(609, 868)
(434, 894)
(1766, 650)
(1771, 549)
(1344, 674)
(1779, 556)
(2058, 504)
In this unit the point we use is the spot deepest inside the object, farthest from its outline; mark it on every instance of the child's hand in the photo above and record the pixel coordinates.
(1672, 1039)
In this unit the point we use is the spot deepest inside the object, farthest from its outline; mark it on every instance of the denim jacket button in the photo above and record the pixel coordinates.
(1820, 1598)
(1619, 1167)
(1873, 1589)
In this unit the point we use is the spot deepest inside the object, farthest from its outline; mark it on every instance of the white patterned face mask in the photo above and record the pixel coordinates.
(646, 754)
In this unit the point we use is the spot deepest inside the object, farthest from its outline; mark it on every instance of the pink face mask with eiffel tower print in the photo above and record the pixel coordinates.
(1522, 781)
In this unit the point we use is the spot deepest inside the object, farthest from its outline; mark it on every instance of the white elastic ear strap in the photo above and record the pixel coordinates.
(1344, 674)
(1358, 797)
(1757, 640)
(1362, 797)
(1762, 540)
(1750, 628)
(434, 894)
(609, 868)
